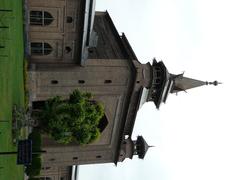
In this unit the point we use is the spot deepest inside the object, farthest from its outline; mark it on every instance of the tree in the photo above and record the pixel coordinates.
(72, 120)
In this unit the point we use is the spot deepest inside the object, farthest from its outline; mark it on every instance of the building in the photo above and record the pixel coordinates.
(70, 46)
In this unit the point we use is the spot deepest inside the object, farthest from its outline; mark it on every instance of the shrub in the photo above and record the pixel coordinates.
(35, 168)
(35, 136)
(25, 78)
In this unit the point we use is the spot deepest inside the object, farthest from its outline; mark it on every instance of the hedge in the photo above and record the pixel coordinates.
(35, 167)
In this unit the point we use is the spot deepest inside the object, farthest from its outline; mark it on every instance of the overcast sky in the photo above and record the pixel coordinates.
(197, 133)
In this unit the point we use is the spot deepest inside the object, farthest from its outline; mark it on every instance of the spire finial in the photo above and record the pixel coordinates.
(151, 146)
(215, 83)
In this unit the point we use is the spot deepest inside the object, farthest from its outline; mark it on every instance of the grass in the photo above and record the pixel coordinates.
(11, 83)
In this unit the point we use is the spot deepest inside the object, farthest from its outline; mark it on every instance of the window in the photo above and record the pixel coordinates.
(107, 81)
(81, 81)
(38, 104)
(69, 19)
(90, 50)
(40, 48)
(98, 157)
(46, 168)
(54, 82)
(157, 81)
(158, 74)
(75, 158)
(40, 18)
(103, 123)
(68, 49)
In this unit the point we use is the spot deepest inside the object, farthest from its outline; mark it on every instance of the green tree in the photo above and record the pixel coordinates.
(75, 119)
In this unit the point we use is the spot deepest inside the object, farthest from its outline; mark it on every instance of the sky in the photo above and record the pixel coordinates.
(197, 133)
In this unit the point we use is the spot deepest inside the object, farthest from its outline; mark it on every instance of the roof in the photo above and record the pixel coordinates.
(128, 47)
(142, 147)
(182, 83)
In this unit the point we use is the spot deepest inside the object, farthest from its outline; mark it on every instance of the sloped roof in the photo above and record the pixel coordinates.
(142, 147)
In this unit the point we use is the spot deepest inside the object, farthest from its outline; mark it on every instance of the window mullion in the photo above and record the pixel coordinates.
(43, 48)
(43, 16)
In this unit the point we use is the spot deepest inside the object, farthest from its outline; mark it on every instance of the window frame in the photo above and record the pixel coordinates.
(40, 48)
(40, 18)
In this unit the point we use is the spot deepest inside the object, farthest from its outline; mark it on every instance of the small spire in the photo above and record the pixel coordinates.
(215, 83)
(142, 147)
(182, 83)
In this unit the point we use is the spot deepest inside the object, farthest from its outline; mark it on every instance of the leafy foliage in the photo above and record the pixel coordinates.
(20, 121)
(35, 136)
(75, 119)
(35, 168)
(25, 79)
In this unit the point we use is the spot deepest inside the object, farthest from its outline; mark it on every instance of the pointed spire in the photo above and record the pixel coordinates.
(142, 147)
(151, 146)
(163, 83)
(182, 83)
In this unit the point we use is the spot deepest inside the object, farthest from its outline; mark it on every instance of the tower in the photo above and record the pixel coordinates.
(129, 148)
(164, 83)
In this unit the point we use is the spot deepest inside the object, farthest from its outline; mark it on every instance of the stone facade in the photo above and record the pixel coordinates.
(62, 28)
(59, 34)
(56, 173)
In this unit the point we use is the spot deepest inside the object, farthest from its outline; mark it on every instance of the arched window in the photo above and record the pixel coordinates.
(47, 49)
(40, 18)
(40, 48)
(47, 18)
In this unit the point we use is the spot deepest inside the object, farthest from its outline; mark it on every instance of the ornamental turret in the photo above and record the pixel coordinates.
(130, 148)
(163, 83)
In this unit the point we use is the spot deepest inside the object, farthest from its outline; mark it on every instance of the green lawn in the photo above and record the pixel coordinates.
(11, 82)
